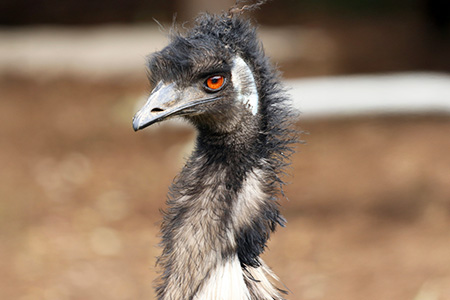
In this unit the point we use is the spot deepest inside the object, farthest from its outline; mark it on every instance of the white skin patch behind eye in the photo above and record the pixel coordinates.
(244, 84)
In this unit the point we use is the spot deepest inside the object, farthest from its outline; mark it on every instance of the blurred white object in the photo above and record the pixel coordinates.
(105, 51)
(368, 94)
(91, 53)
(102, 52)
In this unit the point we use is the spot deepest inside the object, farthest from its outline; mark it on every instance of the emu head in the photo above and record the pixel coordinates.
(209, 76)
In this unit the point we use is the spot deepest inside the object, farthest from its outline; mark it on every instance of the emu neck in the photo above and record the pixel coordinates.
(208, 230)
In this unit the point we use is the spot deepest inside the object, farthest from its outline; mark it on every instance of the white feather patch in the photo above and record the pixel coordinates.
(249, 201)
(225, 283)
(244, 84)
(261, 283)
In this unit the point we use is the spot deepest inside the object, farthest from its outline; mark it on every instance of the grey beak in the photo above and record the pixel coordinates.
(159, 105)
(167, 100)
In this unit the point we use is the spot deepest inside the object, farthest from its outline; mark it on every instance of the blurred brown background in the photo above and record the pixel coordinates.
(369, 195)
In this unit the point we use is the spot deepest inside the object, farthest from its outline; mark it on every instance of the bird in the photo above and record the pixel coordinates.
(224, 204)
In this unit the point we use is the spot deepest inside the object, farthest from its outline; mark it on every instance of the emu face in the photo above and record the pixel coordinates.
(202, 80)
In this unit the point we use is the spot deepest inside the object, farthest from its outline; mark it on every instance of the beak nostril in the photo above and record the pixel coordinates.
(156, 109)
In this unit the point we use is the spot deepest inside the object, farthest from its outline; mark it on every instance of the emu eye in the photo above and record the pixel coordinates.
(214, 83)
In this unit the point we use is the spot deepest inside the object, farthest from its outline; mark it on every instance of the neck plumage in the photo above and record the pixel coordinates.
(221, 211)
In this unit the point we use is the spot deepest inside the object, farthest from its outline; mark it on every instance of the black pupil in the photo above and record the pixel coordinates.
(215, 80)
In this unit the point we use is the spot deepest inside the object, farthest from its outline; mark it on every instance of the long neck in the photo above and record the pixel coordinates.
(220, 214)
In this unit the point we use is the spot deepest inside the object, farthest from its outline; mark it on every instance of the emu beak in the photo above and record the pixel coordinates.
(161, 98)
(167, 100)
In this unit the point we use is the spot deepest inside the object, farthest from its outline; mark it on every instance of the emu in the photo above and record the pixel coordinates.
(223, 205)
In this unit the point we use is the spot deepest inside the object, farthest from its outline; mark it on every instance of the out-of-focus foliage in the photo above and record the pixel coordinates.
(22, 12)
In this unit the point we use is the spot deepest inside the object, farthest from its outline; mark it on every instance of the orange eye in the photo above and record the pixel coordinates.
(215, 82)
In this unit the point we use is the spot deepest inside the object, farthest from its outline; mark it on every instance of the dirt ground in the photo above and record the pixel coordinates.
(80, 193)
